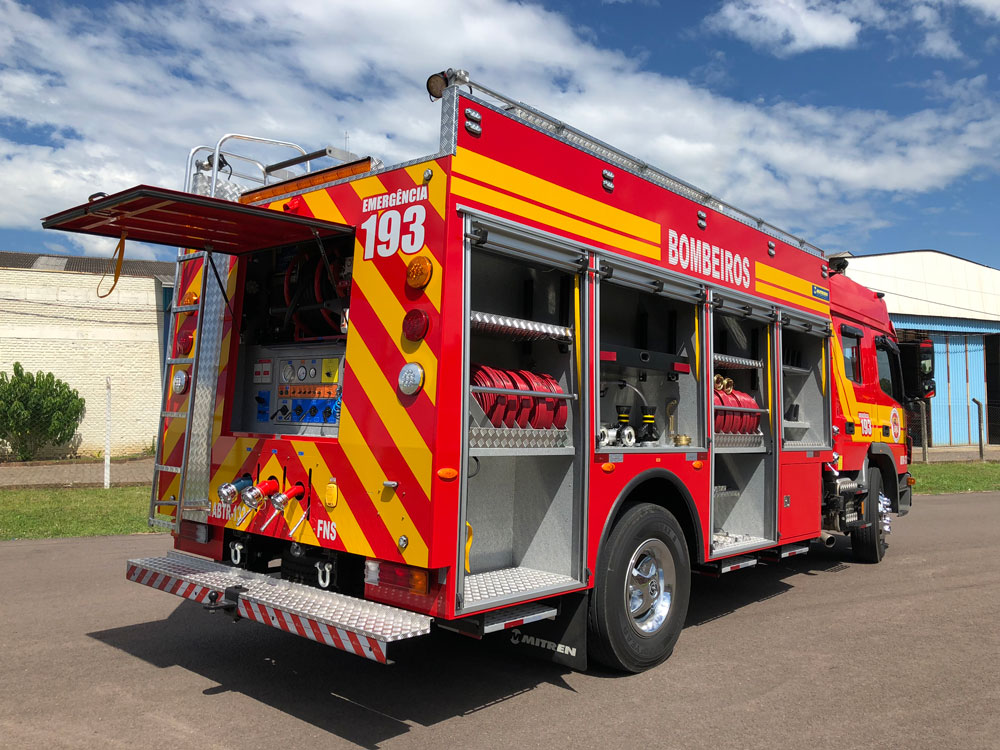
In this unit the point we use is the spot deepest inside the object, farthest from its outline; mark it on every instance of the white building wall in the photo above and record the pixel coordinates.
(53, 321)
(925, 282)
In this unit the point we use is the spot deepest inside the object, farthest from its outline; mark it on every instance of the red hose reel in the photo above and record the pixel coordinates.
(726, 398)
(520, 410)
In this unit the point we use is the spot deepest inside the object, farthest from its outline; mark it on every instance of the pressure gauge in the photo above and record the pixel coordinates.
(287, 372)
(302, 372)
(312, 372)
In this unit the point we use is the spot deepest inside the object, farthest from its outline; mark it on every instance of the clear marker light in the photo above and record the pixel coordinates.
(411, 378)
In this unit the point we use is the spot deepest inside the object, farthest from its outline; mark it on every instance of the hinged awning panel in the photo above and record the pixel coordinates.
(170, 217)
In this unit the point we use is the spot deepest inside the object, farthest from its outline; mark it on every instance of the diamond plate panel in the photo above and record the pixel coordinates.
(197, 465)
(370, 619)
(510, 582)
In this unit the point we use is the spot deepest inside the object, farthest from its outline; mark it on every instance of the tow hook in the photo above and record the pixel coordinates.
(228, 603)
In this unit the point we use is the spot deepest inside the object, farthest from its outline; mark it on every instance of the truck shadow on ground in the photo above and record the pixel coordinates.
(712, 598)
(436, 678)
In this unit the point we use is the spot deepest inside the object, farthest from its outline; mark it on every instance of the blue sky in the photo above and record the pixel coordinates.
(862, 125)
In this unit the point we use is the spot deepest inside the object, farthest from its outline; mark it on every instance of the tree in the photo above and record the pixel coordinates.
(36, 410)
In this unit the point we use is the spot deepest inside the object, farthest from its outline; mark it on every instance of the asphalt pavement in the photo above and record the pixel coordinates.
(817, 651)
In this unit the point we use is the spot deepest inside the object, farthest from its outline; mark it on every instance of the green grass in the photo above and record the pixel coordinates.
(946, 478)
(43, 514)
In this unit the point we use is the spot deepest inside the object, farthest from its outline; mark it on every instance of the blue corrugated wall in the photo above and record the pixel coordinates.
(960, 372)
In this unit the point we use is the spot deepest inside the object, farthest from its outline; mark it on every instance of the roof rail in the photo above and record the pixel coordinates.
(457, 77)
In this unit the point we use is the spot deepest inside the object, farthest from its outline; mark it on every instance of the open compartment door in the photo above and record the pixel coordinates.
(170, 217)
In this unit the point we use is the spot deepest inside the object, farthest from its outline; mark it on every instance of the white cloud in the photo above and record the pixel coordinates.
(937, 41)
(787, 27)
(137, 101)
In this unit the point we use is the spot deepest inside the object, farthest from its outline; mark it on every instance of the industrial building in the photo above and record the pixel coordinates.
(956, 303)
(52, 320)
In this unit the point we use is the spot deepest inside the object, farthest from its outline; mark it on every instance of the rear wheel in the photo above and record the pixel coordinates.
(868, 544)
(641, 592)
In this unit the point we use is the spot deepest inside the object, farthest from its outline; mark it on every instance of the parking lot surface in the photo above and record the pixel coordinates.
(817, 651)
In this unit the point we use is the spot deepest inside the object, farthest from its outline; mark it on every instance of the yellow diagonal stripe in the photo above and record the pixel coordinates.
(778, 277)
(848, 400)
(392, 413)
(368, 186)
(484, 169)
(348, 529)
(390, 312)
(390, 509)
(543, 215)
(775, 291)
(437, 188)
(323, 207)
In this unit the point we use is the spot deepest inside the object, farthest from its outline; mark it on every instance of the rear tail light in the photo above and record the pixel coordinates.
(183, 343)
(405, 577)
(415, 325)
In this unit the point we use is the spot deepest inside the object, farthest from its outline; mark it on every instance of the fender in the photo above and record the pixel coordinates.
(676, 483)
(890, 485)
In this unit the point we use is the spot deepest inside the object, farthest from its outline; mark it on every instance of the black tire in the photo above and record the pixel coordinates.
(868, 545)
(632, 642)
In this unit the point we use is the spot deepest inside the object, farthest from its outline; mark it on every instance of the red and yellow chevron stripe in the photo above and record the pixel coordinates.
(384, 436)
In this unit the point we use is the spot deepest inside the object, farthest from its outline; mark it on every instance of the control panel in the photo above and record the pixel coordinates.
(290, 390)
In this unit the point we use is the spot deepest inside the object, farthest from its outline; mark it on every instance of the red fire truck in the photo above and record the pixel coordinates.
(527, 384)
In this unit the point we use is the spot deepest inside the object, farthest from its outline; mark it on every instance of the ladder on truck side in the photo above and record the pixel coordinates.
(170, 361)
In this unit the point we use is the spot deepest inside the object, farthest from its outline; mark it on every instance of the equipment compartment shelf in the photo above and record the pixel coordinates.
(739, 442)
(727, 361)
(517, 329)
(797, 425)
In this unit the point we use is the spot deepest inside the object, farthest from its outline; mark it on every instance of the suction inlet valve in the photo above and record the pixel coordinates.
(280, 501)
(253, 497)
(229, 492)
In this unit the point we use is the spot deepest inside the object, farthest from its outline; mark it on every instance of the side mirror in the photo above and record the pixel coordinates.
(929, 387)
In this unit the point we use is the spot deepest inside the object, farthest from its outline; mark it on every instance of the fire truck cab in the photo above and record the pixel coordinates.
(527, 384)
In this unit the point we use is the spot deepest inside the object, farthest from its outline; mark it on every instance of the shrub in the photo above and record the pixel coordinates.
(36, 410)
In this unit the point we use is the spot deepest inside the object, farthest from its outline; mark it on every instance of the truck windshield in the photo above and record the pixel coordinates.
(889, 378)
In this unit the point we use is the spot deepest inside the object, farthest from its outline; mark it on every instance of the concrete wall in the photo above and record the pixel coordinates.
(54, 321)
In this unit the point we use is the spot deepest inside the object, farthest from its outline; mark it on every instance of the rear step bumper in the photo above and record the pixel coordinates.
(359, 627)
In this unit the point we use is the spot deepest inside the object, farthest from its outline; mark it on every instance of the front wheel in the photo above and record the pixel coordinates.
(641, 592)
(868, 544)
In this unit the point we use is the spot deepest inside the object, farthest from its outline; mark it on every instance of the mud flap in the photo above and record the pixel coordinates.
(562, 640)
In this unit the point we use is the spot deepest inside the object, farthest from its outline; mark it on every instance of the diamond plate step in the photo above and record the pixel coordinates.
(511, 583)
(788, 550)
(353, 625)
(512, 617)
(717, 568)
(736, 563)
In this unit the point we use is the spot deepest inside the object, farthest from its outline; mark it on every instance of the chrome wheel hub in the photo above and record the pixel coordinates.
(649, 587)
